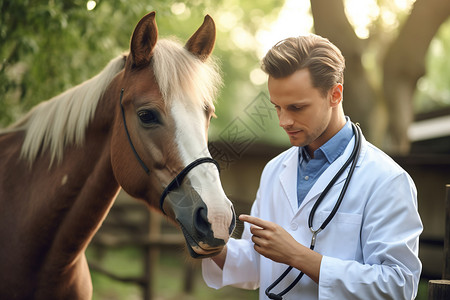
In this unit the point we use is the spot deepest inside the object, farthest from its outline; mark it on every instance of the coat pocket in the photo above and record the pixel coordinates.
(341, 237)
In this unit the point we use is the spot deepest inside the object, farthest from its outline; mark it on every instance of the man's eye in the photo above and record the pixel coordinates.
(148, 117)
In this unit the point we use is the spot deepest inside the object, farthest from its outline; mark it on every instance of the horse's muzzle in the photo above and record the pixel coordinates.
(191, 213)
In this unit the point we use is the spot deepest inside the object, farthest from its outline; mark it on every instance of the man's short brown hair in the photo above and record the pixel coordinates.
(315, 53)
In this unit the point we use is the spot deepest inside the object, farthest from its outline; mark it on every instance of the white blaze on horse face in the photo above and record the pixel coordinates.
(192, 143)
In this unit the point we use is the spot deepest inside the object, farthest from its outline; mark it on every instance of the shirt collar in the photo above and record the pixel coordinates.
(333, 148)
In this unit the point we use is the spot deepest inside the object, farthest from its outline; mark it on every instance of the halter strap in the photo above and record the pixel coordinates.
(178, 180)
(141, 162)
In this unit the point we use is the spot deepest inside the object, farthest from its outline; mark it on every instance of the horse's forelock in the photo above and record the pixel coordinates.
(182, 75)
(63, 120)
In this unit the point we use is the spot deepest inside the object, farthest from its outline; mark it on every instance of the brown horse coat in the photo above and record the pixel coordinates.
(62, 165)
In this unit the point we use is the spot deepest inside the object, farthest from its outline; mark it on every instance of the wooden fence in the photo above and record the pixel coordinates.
(440, 289)
(131, 224)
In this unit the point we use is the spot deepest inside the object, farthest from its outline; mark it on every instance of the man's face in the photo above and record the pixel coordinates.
(304, 113)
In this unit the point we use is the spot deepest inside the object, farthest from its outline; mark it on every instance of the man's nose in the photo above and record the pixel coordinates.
(285, 119)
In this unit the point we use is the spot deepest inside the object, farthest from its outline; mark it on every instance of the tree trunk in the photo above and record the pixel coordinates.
(404, 64)
(360, 100)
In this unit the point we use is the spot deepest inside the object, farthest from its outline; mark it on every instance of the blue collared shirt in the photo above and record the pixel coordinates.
(310, 169)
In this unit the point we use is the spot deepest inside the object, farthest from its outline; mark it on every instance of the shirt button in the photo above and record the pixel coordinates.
(294, 226)
(306, 178)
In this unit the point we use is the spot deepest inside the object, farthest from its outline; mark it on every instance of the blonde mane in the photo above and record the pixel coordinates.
(63, 119)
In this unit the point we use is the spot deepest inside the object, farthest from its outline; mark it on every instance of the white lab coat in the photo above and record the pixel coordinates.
(370, 248)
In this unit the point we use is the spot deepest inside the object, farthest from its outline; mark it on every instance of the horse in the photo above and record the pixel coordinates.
(141, 124)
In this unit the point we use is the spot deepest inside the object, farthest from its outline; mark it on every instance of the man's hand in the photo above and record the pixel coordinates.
(271, 240)
(274, 242)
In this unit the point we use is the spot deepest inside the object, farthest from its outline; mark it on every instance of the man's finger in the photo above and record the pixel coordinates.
(254, 220)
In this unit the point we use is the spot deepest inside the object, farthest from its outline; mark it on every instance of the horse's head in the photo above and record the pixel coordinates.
(164, 106)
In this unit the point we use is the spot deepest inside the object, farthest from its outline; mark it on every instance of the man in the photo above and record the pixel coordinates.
(369, 249)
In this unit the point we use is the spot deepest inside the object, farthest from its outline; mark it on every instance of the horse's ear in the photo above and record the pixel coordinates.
(144, 40)
(201, 43)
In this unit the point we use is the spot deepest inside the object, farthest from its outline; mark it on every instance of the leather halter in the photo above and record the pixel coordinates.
(141, 162)
(178, 180)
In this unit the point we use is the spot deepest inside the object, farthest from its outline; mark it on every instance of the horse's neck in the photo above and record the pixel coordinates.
(49, 215)
(88, 187)
(91, 191)
(57, 209)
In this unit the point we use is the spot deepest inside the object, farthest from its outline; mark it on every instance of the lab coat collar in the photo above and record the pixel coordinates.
(288, 176)
(329, 173)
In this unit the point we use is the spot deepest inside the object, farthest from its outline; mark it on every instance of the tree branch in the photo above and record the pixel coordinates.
(406, 56)
(404, 64)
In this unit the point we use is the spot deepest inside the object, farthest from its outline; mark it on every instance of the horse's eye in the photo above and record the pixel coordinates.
(148, 117)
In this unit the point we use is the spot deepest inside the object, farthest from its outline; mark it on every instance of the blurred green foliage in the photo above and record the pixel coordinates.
(48, 46)
(433, 90)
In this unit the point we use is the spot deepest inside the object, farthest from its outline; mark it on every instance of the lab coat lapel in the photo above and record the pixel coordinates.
(288, 179)
(329, 173)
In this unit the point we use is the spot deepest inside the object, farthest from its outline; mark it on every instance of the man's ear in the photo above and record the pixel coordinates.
(337, 93)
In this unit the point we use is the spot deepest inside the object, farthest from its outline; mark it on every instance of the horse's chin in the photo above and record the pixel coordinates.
(197, 252)
(200, 249)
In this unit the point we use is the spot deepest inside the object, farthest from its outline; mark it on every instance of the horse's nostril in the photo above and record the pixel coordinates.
(201, 223)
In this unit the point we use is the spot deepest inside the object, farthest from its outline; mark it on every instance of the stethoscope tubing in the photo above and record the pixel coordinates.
(353, 159)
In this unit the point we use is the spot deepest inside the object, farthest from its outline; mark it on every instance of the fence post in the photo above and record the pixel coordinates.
(446, 269)
(152, 254)
(440, 289)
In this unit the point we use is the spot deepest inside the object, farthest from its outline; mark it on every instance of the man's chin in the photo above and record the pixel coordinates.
(296, 142)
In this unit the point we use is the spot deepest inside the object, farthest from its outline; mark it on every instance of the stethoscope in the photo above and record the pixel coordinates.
(353, 159)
